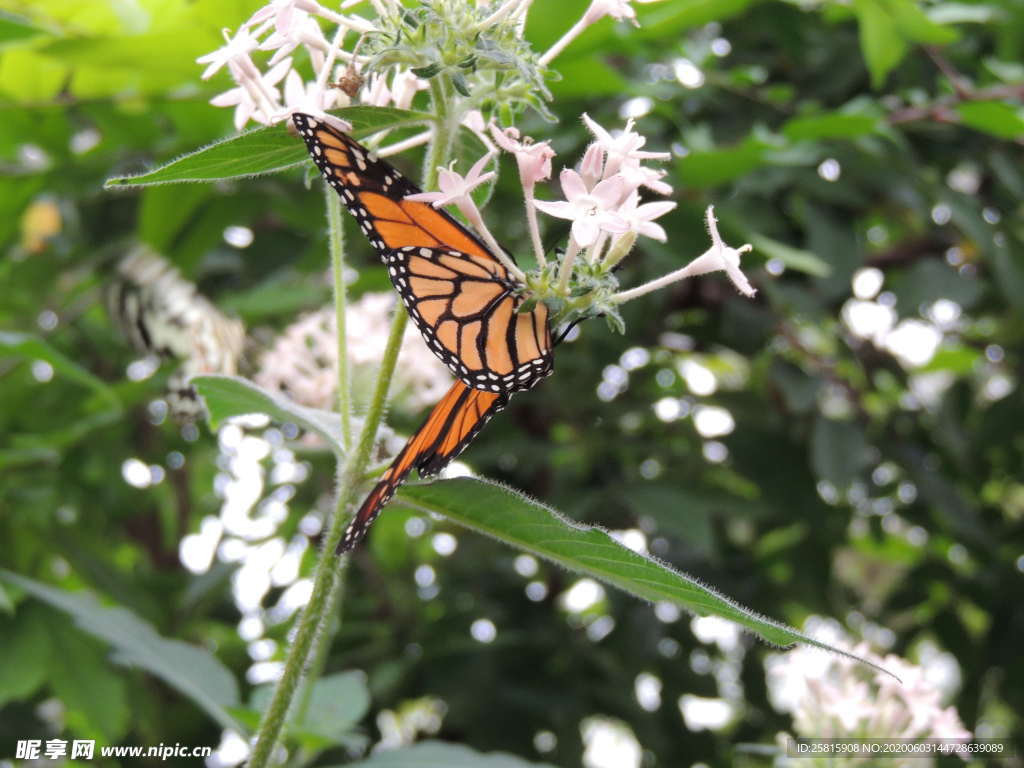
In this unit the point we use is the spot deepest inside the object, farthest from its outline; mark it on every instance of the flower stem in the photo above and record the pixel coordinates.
(336, 243)
(531, 220)
(565, 270)
(560, 46)
(327, 581)
(326, 577)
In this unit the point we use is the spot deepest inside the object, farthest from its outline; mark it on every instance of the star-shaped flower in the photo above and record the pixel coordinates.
(590, 211)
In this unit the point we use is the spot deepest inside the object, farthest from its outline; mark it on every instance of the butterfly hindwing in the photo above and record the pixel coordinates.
(451, 426)
(468, 317)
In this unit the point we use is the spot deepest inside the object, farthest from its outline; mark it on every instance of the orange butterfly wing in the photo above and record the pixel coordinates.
(449, 428)
(458, 294)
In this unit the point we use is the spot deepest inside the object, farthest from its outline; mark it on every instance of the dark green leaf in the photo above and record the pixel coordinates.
(709, 168)
(336, 704)
(96, 701)
(24, 637)
(14, 29)
(514, 519)
(993, 117)
(228, 396)
(793, 258)
(34, 348)
(833, 125)
(263, 150)
(838, 451)
(192, 671)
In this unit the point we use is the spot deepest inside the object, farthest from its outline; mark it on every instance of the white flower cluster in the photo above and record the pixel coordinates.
(281, 27)
(303, 362)
(832, 696)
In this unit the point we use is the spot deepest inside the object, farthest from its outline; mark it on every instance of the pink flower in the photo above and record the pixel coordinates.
(591, 211)
(640, 218)
(721, 257)
(637, 175)
(283, 13)
(617, 9)
(625, 147)
(404, 86)
(376, 92)
(592, 165)
(533, 159)
(454, 188)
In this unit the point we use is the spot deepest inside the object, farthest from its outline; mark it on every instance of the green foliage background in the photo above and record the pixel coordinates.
(908, 99)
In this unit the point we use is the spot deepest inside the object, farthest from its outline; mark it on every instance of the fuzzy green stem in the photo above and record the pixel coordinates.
(336, 243)
(445, 124)
(327, 579)
(565, 270)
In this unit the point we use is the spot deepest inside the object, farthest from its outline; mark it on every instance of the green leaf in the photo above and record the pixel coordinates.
(916, 25)
(514, 519)
(712, 167)
(437, 754)
(96, 701)
(956, 359)
(929, 280)
(881, 43)
(14, 29)
(192, 671)
(994, 117)
(228, 396)
(34, 348)
(838, 451)
(263, 150)
(256, 152)
(886, 28)
(25, 638)
(336, 704)
(28, 77)
(832, 125)
(796, 259)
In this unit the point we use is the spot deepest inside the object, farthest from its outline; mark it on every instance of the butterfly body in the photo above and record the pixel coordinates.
(466, 304)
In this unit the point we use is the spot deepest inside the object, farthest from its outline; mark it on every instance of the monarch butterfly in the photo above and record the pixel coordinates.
(458, 293)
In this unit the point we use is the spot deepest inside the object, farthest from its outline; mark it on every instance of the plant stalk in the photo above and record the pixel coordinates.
(336, 243)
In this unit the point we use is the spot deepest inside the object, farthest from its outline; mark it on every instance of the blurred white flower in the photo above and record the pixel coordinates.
(303, 363)
(256, 97)
(234, 48)
(307, 98)
(832, 696)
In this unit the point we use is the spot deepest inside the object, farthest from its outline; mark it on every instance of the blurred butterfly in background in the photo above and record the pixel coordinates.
(458, 293)
(162, 314)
